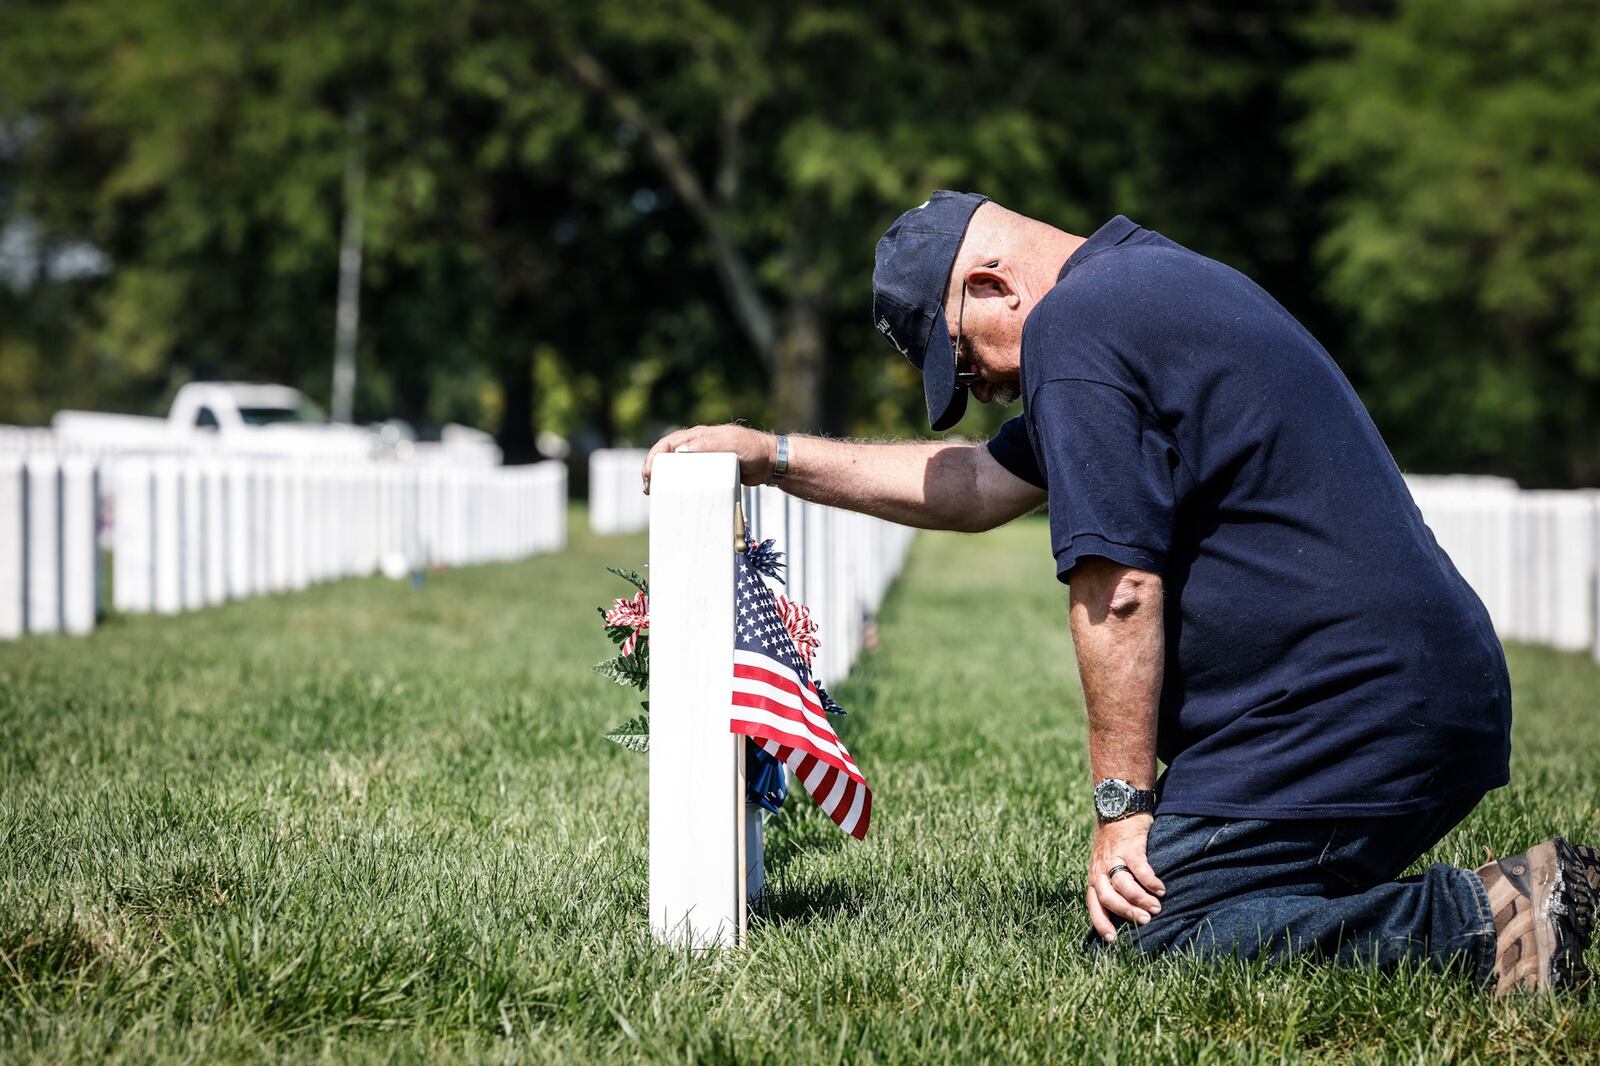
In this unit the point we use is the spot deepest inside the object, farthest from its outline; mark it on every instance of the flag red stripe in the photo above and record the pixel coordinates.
(795, 722)
(760, 668)
(777, 704)
(808, 763)
(765, 731)
(788, 712)
(803, 765)
(818, 738)
(776, 680)
(866, 814)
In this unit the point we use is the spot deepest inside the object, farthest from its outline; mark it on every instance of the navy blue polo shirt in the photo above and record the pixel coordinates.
(1323, 656)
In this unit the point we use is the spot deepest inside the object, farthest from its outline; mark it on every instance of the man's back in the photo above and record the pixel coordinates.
(1323, 655)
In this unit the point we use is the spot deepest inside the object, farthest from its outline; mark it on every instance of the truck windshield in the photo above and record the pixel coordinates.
(304, 412)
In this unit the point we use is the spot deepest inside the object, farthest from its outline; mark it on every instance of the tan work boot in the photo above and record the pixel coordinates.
(1543, 903)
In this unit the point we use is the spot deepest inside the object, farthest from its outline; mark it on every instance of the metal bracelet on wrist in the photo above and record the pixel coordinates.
(1115, 799)
(780, 466)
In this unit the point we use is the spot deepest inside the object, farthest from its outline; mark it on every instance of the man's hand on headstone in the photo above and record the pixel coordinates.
(757, 451)
(1121, 882)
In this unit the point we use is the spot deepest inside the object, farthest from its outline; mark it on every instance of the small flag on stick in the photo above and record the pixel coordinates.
(777, 704)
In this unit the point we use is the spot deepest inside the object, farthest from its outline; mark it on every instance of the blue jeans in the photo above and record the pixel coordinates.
(1321, 888)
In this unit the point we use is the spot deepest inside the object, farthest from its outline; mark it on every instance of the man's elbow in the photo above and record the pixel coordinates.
(1132, 592)
(975, 519)
(979, 513)
(972, 493)
(953, 496)
(1107, 589)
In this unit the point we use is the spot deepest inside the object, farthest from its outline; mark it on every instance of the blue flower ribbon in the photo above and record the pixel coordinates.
(828, 702)
(766, 559)
(765, 782)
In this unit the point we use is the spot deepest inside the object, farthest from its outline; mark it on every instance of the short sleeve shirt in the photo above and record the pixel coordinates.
(1323, 656)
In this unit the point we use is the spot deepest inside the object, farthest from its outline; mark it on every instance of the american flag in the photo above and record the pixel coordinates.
(775, 703)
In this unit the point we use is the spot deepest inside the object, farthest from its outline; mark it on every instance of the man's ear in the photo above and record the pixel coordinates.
(990, 280)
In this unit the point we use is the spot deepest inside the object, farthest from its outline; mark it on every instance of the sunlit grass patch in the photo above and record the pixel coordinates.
(369, 822)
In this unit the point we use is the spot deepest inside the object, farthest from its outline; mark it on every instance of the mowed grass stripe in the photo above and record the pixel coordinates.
(372, 823)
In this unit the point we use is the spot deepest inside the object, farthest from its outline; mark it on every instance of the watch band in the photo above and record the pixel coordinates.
(1141, 801)
(780, 466)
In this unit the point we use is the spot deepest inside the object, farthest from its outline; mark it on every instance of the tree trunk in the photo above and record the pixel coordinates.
(604, 413)
(837, 405)
(797, 372)
(517, 442)
(347, 318)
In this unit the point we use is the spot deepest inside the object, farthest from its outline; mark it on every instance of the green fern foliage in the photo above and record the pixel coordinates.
(631, 670)
(632, 577)
(634, 734)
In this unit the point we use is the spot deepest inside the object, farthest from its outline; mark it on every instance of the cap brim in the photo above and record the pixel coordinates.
(947, 401)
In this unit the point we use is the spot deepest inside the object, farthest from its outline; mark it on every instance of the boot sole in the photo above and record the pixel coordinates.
(1579, 885)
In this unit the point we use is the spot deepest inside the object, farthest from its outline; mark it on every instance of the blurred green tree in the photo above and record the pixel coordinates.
(1465, 243)
(201, 146)
(608, 218)
(794, 134)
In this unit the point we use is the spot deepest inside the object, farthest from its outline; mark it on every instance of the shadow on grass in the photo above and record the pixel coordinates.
(50, 951)
(803, 832)
(812, 901)
(802, 829)
(1016, 907)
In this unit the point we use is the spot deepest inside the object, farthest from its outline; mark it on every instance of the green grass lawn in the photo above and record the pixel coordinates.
(369, 822)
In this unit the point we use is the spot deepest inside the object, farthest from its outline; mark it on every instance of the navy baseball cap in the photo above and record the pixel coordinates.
(909, 276)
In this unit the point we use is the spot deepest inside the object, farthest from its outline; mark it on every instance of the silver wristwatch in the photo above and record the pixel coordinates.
(1114, 798)
(780, 466)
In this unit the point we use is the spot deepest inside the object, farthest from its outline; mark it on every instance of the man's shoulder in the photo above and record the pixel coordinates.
(1111, 277)
(1104, 311)
(1134, 298)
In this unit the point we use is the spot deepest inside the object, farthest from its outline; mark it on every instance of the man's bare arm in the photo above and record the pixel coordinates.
(1118, 631)
(930, 484)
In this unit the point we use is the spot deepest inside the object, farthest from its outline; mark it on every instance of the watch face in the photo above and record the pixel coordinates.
(1110, 800)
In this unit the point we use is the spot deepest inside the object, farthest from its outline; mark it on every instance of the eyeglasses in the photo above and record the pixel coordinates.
(964, 378)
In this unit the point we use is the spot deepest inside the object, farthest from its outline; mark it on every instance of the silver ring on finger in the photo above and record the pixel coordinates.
(1119, 868)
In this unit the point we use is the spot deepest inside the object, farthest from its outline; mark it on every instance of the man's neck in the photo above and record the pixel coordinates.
(1061, 248)
(1048, 250)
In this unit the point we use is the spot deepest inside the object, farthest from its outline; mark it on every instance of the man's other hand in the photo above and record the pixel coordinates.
(757, 451)
(1132, 893)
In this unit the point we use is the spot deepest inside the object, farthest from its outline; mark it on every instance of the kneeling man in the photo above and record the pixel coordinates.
(1255, 599)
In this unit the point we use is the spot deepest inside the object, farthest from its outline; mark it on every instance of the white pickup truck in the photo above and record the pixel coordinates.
(233, 416)
(267, 420)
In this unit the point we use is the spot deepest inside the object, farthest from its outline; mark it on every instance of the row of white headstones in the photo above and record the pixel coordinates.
(189, 532)
(616, 504)
(706, 853)
(1533, 556)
